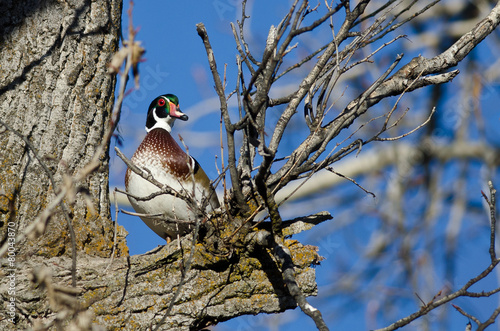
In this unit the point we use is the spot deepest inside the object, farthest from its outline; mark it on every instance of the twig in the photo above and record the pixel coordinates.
(351, 180)
(369, 56)
(223, 174)
(148, 197)
(493, 220)
(389, 27)
(115, 231)
(469, 316)
(190, 162)
(159, 216)
(164, 189)
(242, 36)
(411, 131)
(186, 268)
(482, 294)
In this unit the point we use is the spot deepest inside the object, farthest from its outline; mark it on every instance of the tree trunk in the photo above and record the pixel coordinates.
(54, 90)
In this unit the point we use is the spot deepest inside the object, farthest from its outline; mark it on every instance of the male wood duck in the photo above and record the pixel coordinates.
(170, 165)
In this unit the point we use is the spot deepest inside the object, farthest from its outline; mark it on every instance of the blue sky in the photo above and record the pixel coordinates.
(176, 63)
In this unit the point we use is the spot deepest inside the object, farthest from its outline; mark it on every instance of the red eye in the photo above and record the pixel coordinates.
(161, 102)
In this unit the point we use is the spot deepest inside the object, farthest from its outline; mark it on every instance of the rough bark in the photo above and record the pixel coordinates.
(54, 90)
(135, 292)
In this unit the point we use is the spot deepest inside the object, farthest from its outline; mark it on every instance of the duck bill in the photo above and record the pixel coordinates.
(177, 113)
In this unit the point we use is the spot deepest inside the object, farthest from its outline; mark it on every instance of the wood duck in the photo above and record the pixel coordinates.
(170, 165)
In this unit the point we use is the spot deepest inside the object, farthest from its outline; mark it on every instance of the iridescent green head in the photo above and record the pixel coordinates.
(163, 111)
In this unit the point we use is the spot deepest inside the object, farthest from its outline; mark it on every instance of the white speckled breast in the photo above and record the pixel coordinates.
(168, 163)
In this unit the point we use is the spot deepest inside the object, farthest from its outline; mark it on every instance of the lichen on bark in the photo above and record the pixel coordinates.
(54, 90)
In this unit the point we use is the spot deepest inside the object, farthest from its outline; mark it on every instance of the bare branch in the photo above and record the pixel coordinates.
(115, 231)
(489, 321)
(144, 173)
(282, 253)
(237, 190)
(411, 131)
(394, 85)
(493, 220)
(463, 312)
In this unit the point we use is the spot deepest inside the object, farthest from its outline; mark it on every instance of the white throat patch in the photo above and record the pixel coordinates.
(164, 123)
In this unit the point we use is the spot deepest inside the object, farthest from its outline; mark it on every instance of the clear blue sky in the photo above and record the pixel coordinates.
(176, 63)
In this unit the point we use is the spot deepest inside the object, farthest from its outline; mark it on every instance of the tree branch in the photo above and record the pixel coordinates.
(235, 181)
(146, 284)
(396, 84)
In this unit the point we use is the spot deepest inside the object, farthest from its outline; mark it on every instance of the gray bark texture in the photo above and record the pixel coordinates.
(54, 90)
(136, 292)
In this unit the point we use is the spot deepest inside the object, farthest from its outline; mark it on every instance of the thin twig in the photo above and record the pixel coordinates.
(145, 174)
(159, 216)
(469, 316)
(493, 220)
(114, 232)
(351, 180)
(186, 268)
(433, 110)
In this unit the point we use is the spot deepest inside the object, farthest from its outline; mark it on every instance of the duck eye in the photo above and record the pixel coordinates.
(161, 102)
